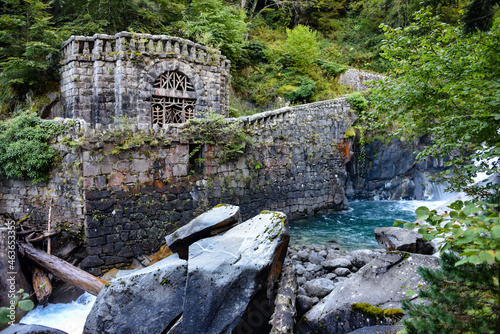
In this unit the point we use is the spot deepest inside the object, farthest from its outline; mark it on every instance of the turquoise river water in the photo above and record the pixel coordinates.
(353, 229)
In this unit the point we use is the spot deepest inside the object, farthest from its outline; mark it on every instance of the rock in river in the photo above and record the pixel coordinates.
(382, 282)
(231, 277)
(226, 286)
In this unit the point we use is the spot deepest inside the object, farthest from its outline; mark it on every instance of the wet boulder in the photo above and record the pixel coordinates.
(146, 301)
(382, 282)
(231, 277)
(217, 220)
(400, 239)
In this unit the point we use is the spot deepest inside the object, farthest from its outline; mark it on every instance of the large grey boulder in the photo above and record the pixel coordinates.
(231, 277)
(146, 301)
(396, 238)
(383, 282)
(30, 329)
(217, 220)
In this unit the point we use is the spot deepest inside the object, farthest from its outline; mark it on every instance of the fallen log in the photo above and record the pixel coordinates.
(282, 320)
(62, 269)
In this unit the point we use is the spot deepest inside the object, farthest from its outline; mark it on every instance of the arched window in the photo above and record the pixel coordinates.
(174, 99)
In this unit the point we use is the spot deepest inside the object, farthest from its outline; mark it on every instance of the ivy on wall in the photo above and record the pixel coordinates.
(214, 129)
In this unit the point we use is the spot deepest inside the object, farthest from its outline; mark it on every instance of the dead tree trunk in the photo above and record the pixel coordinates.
(62, 269)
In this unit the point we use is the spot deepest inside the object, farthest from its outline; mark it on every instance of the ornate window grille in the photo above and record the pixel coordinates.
(174, 99)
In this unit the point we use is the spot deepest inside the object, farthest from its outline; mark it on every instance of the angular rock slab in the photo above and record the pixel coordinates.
(231, 277)
(383, 282)
(146, 301)
(400, 239)
(216, 220)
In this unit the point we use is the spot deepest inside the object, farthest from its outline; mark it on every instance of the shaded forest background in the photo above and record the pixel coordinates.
(280, 49)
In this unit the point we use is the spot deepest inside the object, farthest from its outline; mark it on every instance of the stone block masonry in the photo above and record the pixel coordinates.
(106, 77)
(134, 191)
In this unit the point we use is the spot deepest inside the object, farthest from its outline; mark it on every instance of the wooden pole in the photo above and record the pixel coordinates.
(48, 227)
(62, 269)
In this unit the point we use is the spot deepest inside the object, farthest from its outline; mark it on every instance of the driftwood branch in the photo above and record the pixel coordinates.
(62, 269)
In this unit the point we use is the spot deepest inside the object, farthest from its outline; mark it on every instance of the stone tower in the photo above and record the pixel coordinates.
(153, 80)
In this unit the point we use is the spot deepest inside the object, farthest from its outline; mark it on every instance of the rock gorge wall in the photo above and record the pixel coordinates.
(125, 201)
(389, 170)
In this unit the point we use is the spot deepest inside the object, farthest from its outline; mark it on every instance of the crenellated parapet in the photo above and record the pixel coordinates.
(126, 45)
(150, 79)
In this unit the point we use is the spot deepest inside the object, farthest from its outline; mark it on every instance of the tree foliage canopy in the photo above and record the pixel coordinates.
(446, 84)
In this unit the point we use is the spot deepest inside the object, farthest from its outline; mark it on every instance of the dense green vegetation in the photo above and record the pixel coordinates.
(24, 147)
(280, 50)
(446, 84)
(461, 299)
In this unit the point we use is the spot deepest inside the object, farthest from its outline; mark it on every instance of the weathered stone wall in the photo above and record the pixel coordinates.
(134, 197)
(106, 77)
(63, 191)
(359, 80)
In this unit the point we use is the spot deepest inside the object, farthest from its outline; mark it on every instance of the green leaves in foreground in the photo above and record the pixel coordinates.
(22, 301)
(472, 229)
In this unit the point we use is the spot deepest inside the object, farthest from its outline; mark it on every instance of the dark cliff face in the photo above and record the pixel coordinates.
(389, 170)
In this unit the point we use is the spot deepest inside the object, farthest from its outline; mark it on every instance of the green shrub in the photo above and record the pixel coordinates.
(304, 92)
(358, 101)
(214, 129)
(24, 147)
(461, 299)
(332, 69)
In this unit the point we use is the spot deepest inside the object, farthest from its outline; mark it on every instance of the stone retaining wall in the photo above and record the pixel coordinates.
(133, 197)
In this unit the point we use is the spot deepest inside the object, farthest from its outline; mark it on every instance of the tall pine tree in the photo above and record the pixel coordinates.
(28, 49)
(461, 299)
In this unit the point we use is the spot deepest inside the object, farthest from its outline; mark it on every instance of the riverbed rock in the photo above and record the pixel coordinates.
(231, 277)
(382, 282)
(361, 257)
(319, 287)
(400, 239)
(337, 263)
(30, 329)
(304, 304)
(145, 301)
(217, 220)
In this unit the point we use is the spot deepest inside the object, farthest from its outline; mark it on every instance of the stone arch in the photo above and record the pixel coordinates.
(196, 97)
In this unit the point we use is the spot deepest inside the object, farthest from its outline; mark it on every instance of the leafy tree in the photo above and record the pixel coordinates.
(302, 47)
(463, 299)
(447, 84)
(28, 51)
(214, 23)
(472, 229)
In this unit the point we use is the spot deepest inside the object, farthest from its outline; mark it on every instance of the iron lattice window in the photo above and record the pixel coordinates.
(174, 99)
(172, 110)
